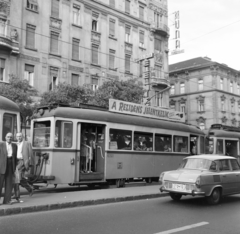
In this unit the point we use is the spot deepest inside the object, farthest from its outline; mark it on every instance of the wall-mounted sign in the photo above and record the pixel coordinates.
(145, 111)
(177, 52)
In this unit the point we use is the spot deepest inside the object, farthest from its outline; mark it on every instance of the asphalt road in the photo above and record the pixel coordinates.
(154, 216)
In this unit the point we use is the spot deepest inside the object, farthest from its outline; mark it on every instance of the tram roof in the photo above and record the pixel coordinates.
(223, 133)
(107, 116)
(7, 104)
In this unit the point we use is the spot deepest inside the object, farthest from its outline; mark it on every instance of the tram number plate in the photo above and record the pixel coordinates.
(179, 187)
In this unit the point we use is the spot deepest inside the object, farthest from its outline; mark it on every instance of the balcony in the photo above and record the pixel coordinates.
(161, 83)
(160, 28)
(9, 44)
(96, 37)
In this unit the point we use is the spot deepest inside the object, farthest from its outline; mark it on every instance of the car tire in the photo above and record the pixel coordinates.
(215, 197)
(176, 196)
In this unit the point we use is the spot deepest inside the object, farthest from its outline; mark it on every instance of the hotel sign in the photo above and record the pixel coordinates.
(145, 111)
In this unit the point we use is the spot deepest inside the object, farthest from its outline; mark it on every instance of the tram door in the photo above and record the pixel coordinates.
(92, 151)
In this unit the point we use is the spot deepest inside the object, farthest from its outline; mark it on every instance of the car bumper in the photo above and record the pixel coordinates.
(192, 192)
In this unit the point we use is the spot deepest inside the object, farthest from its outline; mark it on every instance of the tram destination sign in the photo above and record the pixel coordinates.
(145, 111)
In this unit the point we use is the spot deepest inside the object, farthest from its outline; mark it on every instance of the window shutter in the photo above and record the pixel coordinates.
(94, 54)
(30, 37)
(111, 59)
(141, 37)
(55, 8)
(29, 68)
(141, 12)
(54, 43)
(112, 28)
(127, 30)
(127, 6)
(112, 3)
(2, 63)
(75, 49)
(127, 63)
(157, 44)
(75, 79)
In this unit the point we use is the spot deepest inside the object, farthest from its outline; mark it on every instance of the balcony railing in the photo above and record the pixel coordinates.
(128, 48)
(159, 82)
(8, 43)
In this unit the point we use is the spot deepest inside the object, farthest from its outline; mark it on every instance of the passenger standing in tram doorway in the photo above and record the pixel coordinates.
(84, 152)
(91, 141)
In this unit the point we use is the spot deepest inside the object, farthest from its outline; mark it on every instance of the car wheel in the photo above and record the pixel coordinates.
(215, 197)
(175, 196)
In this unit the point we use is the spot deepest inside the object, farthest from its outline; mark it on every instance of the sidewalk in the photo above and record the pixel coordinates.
(54, 200)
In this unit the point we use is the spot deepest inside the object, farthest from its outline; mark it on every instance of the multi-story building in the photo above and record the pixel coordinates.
(207, 91)
(86, 42)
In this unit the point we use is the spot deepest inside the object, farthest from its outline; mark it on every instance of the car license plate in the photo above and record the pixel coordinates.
(179, 187)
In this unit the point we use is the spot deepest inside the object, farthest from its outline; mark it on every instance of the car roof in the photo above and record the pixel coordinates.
(211, 156)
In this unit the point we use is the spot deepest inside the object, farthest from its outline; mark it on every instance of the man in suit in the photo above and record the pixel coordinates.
(24, 160)
(8, 157)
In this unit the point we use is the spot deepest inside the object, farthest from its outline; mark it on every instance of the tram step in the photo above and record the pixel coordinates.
(91, 176)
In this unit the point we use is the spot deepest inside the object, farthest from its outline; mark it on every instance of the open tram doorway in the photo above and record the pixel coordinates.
(92, 152)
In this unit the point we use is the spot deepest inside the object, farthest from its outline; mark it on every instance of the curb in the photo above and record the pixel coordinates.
(73, 204)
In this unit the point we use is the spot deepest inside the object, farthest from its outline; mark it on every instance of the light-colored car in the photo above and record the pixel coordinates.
(212, 176)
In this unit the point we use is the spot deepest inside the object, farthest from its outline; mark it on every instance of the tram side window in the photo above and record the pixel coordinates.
(163, 143)
(9, 125)
(180, 144)
(143, 141)
(209, 146)
(63, 134)
(120, 139)
(41, 134)
(219, 146)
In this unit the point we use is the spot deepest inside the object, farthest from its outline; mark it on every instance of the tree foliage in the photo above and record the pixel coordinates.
(20, 92)
(130, 91)
(67, 94)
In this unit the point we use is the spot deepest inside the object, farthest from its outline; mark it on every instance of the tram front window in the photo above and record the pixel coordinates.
(41, 134)
(209, 146)
(9, 125)
(63, 134)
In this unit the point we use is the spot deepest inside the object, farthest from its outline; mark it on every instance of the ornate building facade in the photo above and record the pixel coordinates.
(86, 42)
(208, 92)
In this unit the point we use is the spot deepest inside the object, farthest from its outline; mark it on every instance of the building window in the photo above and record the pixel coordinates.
(141, 12)
(238, 89)
(30, 36)
(94, 54)
(158, 99)
(172, 90)
(112, 59)
(75, 49)
(231, 87)
(201, 105)
(2, 69)
(53, 78)
(183, 107)
(75, 80)
(76, 15)
(221, 83)
(127, 63)
(232, 107)
(112, 27)
(127, 6)
(54, 43)
(157, 19)
(238, 108)
(182, 88)
(94, 83)
(222, 105)
(141, 68)
(200, 85)
(127, 34)
(3, 27)
(172, 106)
(202, 126)
(157, 45)
(94, 25)
(112, 3)
(55, 8)
(32, 5)
(29, 74)
(141, 39)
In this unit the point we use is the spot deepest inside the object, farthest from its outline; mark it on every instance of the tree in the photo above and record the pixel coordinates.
(130, 91)
(67, 94)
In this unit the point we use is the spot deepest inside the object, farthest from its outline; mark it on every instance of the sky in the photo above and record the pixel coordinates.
(207, 28)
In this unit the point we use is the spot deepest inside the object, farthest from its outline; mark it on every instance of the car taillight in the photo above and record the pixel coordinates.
(198, 182)
(161, 177)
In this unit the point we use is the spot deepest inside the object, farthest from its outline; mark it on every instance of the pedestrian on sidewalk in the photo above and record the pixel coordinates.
(24, 160)
(8, 157)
